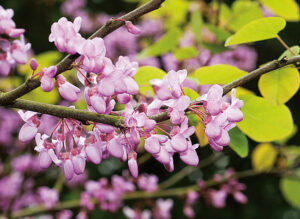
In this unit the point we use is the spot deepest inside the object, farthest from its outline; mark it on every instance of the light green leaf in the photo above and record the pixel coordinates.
(196, 24)
(288, 54)
(263, 121)
(185, 53)
(263, 157)
(280, 85)
(144, 75)
(224, 14)
(217, 74)
(238, 142)
(243, 12)
(39, 95)
(260, 29)
(165, 44)
(172, 12)
(290, 188)
(288, 9)
(190, 93)
(220, 34)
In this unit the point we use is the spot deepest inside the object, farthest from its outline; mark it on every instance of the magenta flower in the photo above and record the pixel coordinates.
(148, 182)
(136, 214)
(67, 90)
(46, 78)
(177, 108)
(86, 201)
(7, 25)
(30, 128)
(170, 86)
(92, 53)
(65, 35)
(132, 164)
(49, 197)
(46, 148)
(18, 51)
(162, 209)
(131, 28)
(33, 64)
(221, 117)
(92, 151)
(118, 79)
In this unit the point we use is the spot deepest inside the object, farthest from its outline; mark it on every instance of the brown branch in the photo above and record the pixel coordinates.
(276, 64)
(117, 121)
(66, 112)
(66, 63)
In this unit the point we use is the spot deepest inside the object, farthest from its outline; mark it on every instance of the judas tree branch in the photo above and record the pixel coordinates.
(66, 112)
(117, 121)
(66, 63)
(276, 64)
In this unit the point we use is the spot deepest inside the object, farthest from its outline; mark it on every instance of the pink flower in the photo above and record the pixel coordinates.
(86, 201)
(30, 128)
(93, 52)
(46, 148)
(49, 197)
(132, 164)
(118, 79)
(170, 86)
(18, 51)
(33, 64)
(221, 117)
(148, 182)
(162, 209)
(136, 214)
(65, 35)
(67, 90)
(7, 25)
(131, 28)
(46, 78)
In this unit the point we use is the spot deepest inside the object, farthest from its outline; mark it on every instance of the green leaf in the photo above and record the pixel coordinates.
(243, 12)
(217, 74)
(213, 47)
(185, 53)
(144, 75)
(196, 24)
(290, 188)
(165, 44)
(288, 9)
(190, 93)
(172, 12)
(220, 34)
(39, 95)
(280, 85)
(260, 29)
(225, 14)
(263, 121)
(288, 54)
(238, 142)
(263, 157)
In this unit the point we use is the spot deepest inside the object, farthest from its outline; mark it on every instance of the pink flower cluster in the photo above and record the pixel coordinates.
(161, 210)
(12, 51)
(109, 195)
(105, 83)
(221, 117)
(228, 185)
